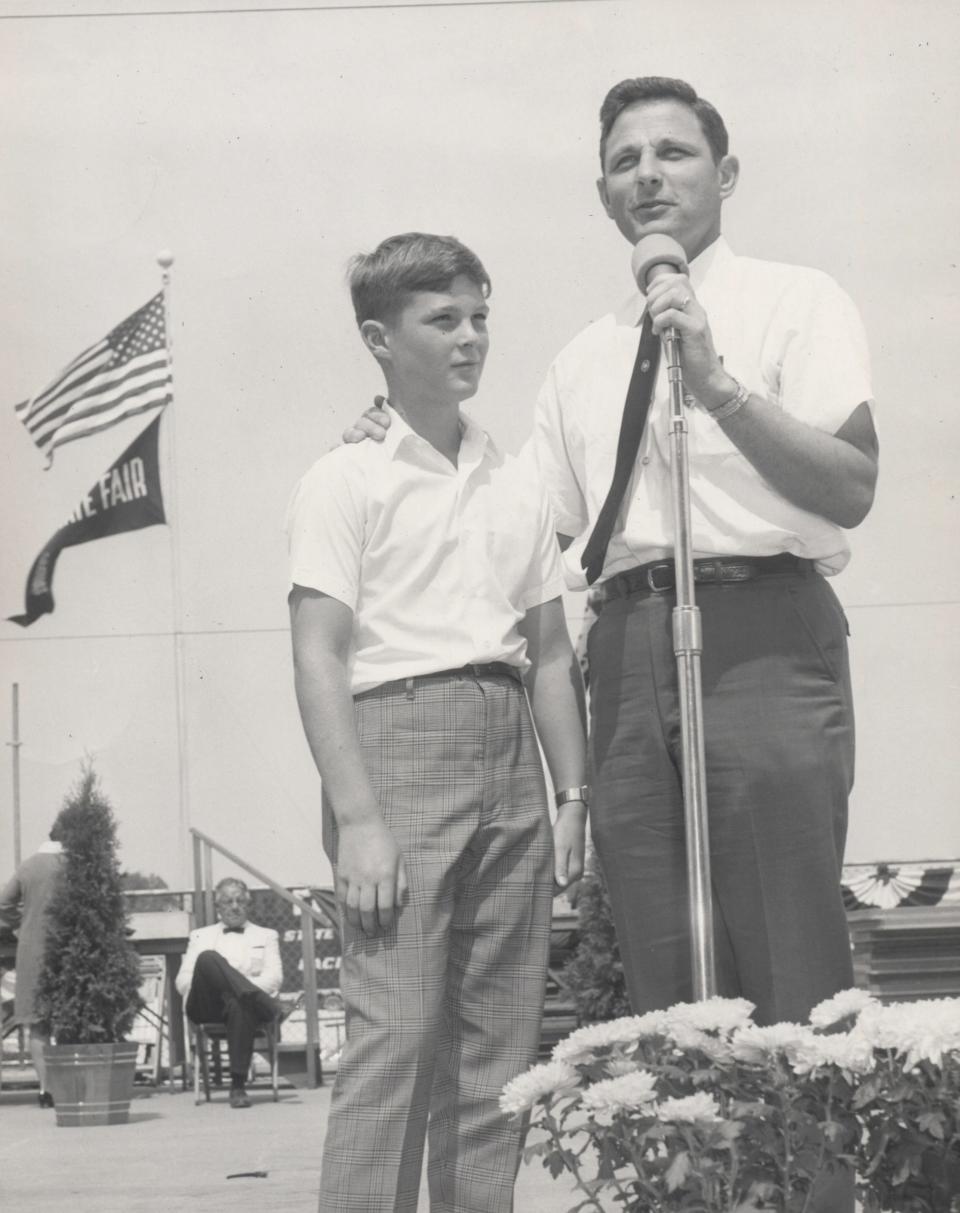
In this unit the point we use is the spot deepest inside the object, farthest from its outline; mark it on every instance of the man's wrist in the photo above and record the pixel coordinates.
(579, 795)
(733, 404)
(720, 390)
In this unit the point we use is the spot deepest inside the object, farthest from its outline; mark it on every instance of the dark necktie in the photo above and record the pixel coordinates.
(233, 930)
(635, 409)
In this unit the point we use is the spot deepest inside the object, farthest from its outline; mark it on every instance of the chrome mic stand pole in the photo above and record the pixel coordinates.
(650, 252)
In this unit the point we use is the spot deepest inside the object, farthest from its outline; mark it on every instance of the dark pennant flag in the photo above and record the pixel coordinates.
(127, 497)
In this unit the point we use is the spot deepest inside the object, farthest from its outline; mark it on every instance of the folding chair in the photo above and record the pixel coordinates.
(207, 1036)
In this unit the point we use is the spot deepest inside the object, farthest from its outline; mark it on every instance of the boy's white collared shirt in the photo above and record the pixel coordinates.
(438, 563)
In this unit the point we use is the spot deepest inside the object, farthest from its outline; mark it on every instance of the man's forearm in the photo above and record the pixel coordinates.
(555, 687)
(831, 475)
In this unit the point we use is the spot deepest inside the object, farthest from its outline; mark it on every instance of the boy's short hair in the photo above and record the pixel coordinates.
(381, 281)
(662, 88)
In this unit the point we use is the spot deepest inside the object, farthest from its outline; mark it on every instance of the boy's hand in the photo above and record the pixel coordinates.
(374, 424)
(371, 875)
(568, 844)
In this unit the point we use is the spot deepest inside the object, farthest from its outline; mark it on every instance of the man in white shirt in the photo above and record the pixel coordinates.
(230, 974)
(426, 597)
(783, 459)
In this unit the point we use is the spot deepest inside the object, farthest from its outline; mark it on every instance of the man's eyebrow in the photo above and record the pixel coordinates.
(664, 141)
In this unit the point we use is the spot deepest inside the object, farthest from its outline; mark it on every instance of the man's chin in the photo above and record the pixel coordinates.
(637, 229)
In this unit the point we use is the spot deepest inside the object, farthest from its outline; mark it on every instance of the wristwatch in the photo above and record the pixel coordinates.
(567, 794)
(732, 404)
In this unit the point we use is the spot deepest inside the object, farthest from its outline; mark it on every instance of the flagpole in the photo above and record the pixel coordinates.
(165, 261)
(15, 746)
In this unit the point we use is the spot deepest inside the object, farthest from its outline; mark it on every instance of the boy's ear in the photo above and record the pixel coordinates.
(374, 336)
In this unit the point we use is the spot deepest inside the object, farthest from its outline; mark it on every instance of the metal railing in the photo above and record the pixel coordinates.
(203, 848)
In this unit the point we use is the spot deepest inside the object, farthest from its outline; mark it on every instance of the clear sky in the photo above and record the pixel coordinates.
(264, 148)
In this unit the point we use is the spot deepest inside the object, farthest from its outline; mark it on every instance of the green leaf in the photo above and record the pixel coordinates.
(932, 1123)
(677, 1171)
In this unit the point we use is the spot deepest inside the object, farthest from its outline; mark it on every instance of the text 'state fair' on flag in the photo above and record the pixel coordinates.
(125, 373)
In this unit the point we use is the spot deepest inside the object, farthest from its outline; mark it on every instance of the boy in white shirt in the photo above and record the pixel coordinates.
(425, 610)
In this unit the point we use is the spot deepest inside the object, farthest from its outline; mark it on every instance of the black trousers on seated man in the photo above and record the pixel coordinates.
(219, 994)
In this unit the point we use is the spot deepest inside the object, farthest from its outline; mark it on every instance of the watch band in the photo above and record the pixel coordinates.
(567, 794)
(731, 405)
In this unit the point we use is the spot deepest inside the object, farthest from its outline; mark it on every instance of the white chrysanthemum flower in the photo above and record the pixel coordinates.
(581, 1045)
(616, 1067)
(690, 1108)
(526, 1089)
(918, 1031)
(724, 1015)
(840, 1006)
(625, 1093)
(756, 1044)
(686, 1036)
(849, 1051)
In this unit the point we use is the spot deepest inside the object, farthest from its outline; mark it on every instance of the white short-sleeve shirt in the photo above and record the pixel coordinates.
(788, 333)
(438, 563)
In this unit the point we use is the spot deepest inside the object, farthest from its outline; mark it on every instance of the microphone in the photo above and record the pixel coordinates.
(655, 255)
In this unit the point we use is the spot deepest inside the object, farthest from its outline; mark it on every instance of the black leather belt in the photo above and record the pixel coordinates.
(658, 576)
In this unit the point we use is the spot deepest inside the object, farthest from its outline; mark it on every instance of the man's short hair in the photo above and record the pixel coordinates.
(382, 281)
(662, 88)
(230, 882)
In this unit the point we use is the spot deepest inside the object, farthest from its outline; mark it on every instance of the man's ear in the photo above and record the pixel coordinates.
(374, 336)
(604, 197)
(729, 172)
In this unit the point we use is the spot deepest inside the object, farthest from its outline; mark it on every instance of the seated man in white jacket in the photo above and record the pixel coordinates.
(230, 974)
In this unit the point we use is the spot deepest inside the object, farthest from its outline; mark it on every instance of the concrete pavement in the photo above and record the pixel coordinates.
(175, 1157)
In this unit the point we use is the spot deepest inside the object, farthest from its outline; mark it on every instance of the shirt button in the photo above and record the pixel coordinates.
(645, 460)
(645, 365)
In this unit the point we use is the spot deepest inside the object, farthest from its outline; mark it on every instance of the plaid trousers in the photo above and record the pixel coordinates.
(445, 1007)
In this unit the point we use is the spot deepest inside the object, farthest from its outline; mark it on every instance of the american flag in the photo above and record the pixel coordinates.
(125, 373)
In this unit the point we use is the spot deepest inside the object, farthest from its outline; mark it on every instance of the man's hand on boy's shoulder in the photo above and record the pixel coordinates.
(374, 424)
(371, 875)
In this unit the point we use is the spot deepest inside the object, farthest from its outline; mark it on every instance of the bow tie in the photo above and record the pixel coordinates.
(233, 930)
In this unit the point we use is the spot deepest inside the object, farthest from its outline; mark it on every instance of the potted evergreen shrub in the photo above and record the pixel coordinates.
(88, 990)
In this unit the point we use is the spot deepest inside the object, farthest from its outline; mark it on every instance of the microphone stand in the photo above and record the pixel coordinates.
(687, 647)
(653, 255)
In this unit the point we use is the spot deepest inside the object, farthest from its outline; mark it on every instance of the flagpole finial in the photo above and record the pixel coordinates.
(165, 259)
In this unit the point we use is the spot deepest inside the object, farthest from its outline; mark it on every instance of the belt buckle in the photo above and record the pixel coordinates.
(651, 581)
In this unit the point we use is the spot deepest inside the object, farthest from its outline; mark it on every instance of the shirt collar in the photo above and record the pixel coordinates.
(714, 255)
(50, 847)
(474, 441)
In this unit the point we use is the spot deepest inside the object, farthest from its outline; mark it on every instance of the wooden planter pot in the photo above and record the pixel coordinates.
(91, 1084)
